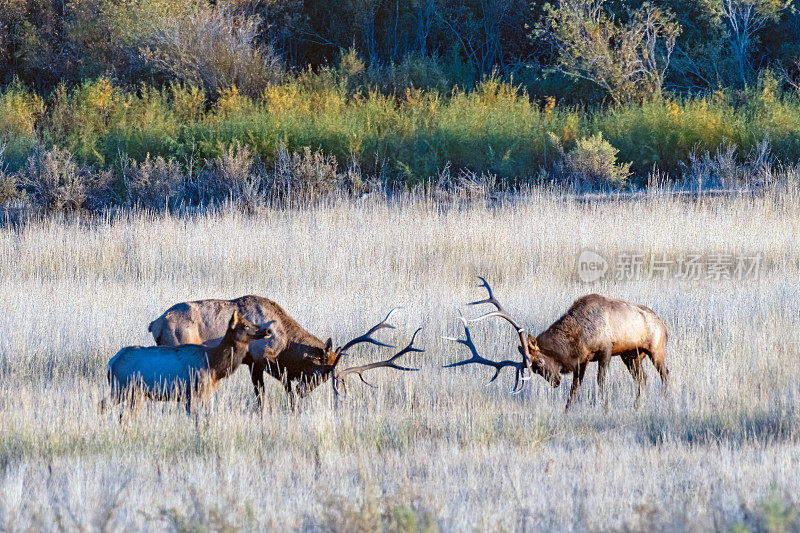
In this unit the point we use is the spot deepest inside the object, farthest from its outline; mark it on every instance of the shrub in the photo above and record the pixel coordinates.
(59, 184)
(495, 129)
(463, 186)
(20, 112)
(593, 162)
(188, 102)
(627, 60)
(9, 191)
(155, 182)
(215, 48)
(726, 170)
(664, 132)
(416, 71)
(230, 177)
(79, 118)
(311, 175)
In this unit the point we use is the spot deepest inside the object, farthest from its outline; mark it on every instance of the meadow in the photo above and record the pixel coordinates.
(432, 450)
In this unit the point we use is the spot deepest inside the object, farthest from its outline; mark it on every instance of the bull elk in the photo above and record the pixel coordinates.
(299, 357)
(595, 328)
(184, 373)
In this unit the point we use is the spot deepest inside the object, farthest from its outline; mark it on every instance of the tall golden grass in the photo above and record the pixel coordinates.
(423, 451)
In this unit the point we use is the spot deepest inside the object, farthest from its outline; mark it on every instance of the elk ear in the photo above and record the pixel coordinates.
(234, 319)
(532, 342)
(329, 345)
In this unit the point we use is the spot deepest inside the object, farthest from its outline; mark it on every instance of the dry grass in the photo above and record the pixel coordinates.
(435, 449)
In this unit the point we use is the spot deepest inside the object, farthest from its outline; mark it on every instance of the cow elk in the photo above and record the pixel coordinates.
(295, 356)
(184, 373)
(595, 328)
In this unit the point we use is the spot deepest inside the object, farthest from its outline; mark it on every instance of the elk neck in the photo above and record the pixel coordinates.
(298, 340)
(226, 357)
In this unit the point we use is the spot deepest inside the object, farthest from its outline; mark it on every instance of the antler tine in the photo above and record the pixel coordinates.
(366, 337)
(388, 363)
(476, 358)
(502, 313)
(517, 387)
(334, 381)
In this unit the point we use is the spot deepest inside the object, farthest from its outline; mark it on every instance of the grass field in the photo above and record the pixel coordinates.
(423, 451)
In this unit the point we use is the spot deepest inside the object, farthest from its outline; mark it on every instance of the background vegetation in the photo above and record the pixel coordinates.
(395, 92)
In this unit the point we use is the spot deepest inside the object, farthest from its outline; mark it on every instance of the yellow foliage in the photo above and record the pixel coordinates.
(673, 109)
(231, 101)
(19, 111)
(570, 132)
(101, 93)
(549, 105)
(280, 98)
(188, 102)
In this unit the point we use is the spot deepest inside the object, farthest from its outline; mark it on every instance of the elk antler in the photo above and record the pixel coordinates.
(383, 324)
(502, 313)
(476, 358)
(339, 375)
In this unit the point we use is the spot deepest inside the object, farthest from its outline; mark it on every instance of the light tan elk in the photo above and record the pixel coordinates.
(184, 373)
(595, 328)
(299, 357)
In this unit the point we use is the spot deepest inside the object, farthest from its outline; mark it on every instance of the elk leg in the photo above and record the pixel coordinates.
(137, 400)
(290, 393)
(258, 387)
(634, 365)
(658, 362)
(257, 377)
(603, 359)
(577, 377)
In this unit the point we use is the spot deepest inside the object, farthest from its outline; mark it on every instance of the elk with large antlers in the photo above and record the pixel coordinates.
(299, 358)
(595, 328)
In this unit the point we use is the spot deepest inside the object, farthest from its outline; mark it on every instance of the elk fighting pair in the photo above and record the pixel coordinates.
(200, 343)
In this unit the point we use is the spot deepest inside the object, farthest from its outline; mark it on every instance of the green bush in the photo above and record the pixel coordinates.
(593, 162)
(494, 129)
(20, 113)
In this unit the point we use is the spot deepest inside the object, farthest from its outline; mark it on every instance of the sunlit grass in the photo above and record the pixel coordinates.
(435, 448)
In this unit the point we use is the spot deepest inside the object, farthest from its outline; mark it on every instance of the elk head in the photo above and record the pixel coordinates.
(242, 331)
(542, 364)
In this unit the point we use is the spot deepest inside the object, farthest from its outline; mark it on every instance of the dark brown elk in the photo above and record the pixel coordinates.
(300, 360)
(184, 373)
(595, 328)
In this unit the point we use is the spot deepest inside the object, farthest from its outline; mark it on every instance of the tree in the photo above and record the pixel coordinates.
(628, 59)
(744, 19)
